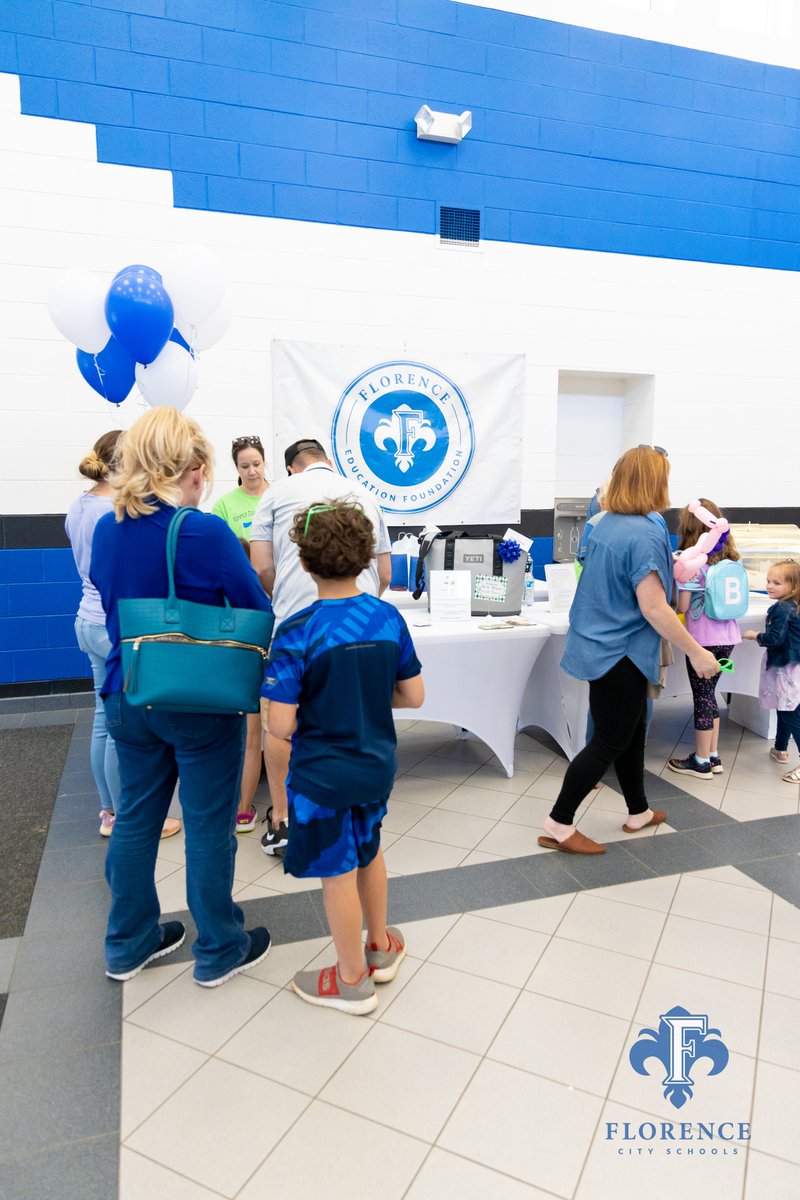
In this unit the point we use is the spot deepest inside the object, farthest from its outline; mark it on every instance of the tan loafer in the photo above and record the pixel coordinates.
(576, 843)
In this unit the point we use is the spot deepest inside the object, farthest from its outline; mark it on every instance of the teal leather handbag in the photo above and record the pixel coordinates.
(179, 656)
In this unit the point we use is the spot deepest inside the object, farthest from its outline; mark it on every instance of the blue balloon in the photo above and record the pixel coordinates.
(140, 269)
(140, 315)
(178, 337)
(112, 372)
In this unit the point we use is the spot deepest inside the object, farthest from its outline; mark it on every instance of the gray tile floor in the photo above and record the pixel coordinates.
(451, 1083)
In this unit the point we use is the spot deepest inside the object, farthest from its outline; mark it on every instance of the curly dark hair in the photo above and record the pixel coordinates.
(335, 539)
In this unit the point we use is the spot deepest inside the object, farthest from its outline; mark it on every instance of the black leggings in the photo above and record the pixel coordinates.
(618, 704)
(704, 691)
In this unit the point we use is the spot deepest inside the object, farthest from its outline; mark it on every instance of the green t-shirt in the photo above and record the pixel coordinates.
(237, 510)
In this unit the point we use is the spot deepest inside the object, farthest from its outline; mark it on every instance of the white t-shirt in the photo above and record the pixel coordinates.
(318, 483)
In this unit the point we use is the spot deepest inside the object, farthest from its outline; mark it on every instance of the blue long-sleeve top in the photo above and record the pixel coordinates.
(781, 636)
(129, 562)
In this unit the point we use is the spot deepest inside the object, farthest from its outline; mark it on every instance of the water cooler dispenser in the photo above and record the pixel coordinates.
(569, 520)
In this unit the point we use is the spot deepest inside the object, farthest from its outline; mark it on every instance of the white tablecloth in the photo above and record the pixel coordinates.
(566, 721)
(474, 678)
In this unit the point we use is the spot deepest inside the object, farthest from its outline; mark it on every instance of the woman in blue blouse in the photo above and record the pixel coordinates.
(165, 462)
(617, 620)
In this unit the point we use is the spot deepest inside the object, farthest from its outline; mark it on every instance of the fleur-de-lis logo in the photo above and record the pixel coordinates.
(683, 1038)
(405, 429)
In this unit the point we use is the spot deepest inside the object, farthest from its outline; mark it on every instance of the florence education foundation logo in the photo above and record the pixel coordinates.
(402, 431)
(682, 1039)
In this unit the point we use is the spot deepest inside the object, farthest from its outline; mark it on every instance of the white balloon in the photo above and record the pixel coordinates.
(171, 379)
(76, 303)
(193, 280)
(201, 337)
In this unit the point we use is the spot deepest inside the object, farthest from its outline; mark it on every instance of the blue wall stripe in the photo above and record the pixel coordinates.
(580, 138)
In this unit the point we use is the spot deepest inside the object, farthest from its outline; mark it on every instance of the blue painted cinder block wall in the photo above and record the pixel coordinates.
(39, 596)
(305, 110)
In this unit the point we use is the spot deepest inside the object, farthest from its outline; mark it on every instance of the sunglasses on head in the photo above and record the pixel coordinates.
(658, 449)
(250, 440)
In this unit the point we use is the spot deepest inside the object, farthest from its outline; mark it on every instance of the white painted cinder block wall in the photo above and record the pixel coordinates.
(720, 342)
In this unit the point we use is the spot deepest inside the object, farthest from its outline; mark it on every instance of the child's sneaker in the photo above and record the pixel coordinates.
(716, 765)
(274, 840)
(107, 820)
(383, 964)
(245, 821)
(690, 766)
(781, 756)
(327, 989)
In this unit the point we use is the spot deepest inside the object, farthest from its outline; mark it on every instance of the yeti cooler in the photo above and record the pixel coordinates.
(479, 556)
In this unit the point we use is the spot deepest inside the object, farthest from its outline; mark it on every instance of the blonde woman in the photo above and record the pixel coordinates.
(619, 615)
(166, 462)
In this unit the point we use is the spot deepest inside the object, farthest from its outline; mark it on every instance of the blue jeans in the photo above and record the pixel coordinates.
(204, 751)
(94, 641)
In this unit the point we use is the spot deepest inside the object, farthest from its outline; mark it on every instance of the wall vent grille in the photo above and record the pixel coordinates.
(459, 226)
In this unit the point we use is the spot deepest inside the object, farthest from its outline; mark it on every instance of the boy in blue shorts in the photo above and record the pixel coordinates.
(336, 671)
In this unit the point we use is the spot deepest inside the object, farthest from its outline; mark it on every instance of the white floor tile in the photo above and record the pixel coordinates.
(407, 1082)
(422, 937)
(544, 915)
(294, 1043)
(446, 1176)
(148, 982)
(785, 920)
(730, 1092)
(476, 857)
(142, 1179)
(209, 1111)
(657, 1176)
(731, 1007)
(410, 855)
(751, 806)
(643, 893)
(721, 904)
(420, 791)
(453, 828)
(768, 1178)
(616, 979)
(202, 1017)
(451, 1006)
(511, 841)
(783, 968)
(546, 787)
(561, 1041)
(468, 750)
(284, 960)
(340, 1156)
(529, 810)
(780, 1031)
(613, 926)
(775, 1109)
(496, 779)
(491, 950)
(153, 1067)
(252, 891)
(515, 1122)
(729, 875)
(402, 816)
(172, 891)
(479, 802)
(713, 950)
(448, 770)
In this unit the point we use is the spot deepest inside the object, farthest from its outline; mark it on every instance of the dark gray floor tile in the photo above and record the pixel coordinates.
(80, 831)
(781, 875)
(685, 812)
(85, 1170)
(603, 870)
(662, 789)
(415, 897)
(82, 700)
(49, 718)
(50, 1021)
(55, 910)
(77, 779)
(64, 956)
(78, 806)
(549, 873)
(47, 1101)
(74, 865)
(11, 720)
(8, 956)
(743, 841)
(784, 831)
(16, 704)
(487, 884)
(50, 703)
(671, 853)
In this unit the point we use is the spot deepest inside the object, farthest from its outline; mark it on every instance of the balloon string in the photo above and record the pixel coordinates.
(101, 376)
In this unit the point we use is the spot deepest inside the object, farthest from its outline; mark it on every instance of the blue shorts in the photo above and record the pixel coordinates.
(331, 841)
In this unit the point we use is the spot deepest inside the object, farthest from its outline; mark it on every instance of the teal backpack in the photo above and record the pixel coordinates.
(726, 593)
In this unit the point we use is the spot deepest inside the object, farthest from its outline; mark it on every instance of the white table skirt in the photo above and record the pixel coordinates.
(566, 721)
(474, 678)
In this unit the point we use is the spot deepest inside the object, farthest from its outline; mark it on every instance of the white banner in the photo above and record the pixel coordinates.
(434, 438)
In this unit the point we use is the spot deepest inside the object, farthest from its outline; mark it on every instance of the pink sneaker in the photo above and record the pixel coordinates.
(245, 821)
(106, 822)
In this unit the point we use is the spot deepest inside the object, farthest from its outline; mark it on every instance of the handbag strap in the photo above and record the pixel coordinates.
(227, 622)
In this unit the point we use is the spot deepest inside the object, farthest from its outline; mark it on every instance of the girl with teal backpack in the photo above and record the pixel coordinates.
(711, 602)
